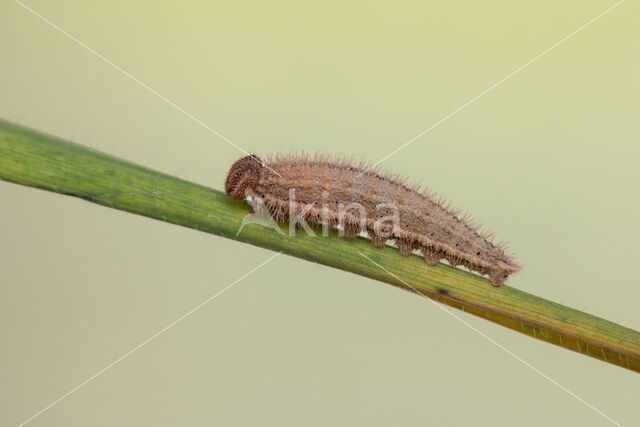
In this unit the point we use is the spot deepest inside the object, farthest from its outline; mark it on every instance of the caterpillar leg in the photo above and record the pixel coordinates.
(378, 239)
(454, 261)
(405, 247)
(351, 230)
(431, 257)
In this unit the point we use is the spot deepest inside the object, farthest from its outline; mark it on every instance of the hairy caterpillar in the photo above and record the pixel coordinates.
(333, 191)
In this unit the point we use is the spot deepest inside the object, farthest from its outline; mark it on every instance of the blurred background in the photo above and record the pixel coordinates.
(547, 160)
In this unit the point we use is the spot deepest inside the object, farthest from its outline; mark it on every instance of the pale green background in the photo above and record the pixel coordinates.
(547, 160)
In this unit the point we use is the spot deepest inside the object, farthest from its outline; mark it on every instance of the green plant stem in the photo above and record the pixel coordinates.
(34, 159)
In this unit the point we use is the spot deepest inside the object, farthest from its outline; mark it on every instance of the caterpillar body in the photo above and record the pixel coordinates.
(333, 191)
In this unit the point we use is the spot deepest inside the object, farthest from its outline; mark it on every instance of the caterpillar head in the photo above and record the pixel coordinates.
(244, 175)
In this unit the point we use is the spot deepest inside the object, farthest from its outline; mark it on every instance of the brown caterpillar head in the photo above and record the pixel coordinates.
(243, 175)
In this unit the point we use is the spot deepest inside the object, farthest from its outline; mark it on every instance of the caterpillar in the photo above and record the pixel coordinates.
(332, 191)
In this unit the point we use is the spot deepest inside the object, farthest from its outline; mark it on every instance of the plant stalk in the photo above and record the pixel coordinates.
(31, 158)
